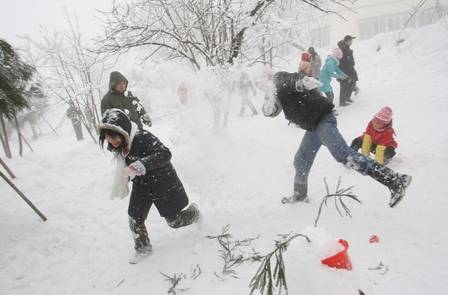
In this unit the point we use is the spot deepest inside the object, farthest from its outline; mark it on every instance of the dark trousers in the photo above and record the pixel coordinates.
(142, 198)
(329, 95)
(346, 90)
(389, 152)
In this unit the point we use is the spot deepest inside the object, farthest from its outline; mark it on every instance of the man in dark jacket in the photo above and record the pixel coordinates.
(303, 105)
(347, 65)
(155, 180)
(115, 98)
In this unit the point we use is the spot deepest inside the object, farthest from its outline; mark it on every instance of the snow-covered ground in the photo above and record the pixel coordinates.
(238, 177)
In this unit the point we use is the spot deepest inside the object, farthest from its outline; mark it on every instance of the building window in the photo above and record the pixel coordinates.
(386, 23)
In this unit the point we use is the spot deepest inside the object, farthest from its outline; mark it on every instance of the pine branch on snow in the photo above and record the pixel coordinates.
(174, 281)
(266, 278)
(339, 203)
(231, 251)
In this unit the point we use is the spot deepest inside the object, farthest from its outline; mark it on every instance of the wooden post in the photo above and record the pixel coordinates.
(23, 197)
(11, 174)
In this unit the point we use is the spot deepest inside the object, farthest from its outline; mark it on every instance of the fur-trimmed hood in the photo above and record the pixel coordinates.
(116, 120)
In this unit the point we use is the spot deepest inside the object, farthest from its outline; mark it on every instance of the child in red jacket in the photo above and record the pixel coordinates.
(378, 137)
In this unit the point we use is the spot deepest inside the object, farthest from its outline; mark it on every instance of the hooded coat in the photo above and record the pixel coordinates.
(330, 70)
(306, 108)
(160, 183)
(116, 100)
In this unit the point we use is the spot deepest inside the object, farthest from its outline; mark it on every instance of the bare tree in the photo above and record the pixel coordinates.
(69, 71)
(206, 33)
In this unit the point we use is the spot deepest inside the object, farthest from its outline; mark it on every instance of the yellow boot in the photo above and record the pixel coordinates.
(379, 154)
(366, 145)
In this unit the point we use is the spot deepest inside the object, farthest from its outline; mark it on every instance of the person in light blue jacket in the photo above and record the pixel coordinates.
(331, 70)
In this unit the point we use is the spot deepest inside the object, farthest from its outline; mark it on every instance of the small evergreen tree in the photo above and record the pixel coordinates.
(14, 75)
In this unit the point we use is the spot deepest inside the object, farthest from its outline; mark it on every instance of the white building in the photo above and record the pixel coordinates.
(366, 18)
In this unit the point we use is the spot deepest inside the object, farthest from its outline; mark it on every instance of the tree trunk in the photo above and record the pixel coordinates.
(5, 138)
(2, 140)
(26, 141)
(19, 135)
(271, 57)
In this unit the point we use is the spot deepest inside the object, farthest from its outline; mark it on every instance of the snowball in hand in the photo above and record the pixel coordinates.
(135, 169)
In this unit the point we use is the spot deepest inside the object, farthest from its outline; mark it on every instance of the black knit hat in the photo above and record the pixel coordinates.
(116, 120)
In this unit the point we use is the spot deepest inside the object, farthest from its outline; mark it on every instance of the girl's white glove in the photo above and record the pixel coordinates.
(135, 169)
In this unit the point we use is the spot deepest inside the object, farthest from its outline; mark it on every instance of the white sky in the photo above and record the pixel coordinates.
(26, 17)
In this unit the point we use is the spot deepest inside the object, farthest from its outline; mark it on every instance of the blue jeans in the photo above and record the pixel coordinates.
(328, 135)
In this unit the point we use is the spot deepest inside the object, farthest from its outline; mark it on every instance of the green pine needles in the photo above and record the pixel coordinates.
(338, 196)
(266, 279)
(232, 253)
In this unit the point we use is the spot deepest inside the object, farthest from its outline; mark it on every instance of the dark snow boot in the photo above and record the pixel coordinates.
(140, 235)
(396, 182)
(185, 217)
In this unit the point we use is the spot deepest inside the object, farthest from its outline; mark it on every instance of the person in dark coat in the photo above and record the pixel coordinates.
(116, 98)
(305, 106)
(316, 63)
(73, 115)
(347, 65)
(155, 180)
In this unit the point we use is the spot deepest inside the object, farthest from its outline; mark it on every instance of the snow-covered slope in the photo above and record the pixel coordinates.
(238, 178)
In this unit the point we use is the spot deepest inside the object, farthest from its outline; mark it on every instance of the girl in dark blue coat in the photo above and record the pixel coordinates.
(154, 178)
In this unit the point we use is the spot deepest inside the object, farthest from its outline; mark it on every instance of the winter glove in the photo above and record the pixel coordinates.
(311, 83)
(146, 120)
(135, 169)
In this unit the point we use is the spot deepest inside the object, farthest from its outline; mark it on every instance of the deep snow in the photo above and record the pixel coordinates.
(238, 177)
